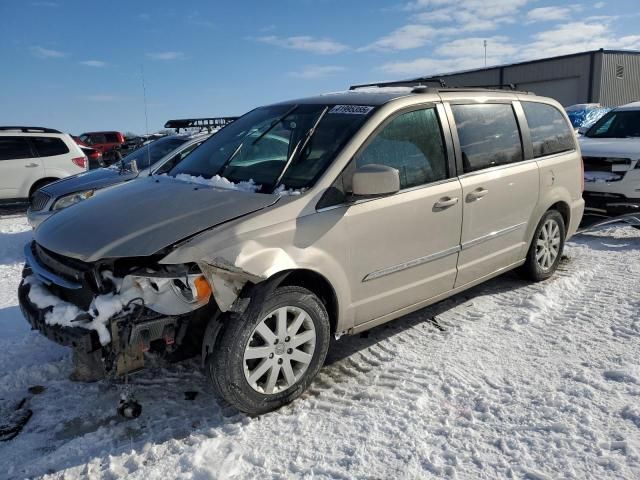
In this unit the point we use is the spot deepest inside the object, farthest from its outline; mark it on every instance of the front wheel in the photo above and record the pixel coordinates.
(546, 247)
(269, 356)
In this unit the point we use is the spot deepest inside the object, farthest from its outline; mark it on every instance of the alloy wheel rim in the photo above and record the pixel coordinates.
(279, 350)
(548, 244)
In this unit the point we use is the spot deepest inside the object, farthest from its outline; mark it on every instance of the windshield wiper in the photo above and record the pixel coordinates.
(274, 123)
(239, 147)
(300, 146)
(230, 159)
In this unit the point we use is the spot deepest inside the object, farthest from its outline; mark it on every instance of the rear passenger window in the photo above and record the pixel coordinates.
(412, 143)
(489, 135)
(13, 148)
(111, 138)
(550, 132)
(49, 146)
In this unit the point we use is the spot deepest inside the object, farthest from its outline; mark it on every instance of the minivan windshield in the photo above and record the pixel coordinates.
(617, 124)
(287, 145)
(152, 152)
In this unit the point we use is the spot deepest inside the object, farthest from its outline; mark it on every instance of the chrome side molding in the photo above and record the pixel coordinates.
(492, 235)
(411, 263)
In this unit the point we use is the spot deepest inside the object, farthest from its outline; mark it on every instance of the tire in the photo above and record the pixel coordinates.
(538, 266)
(239, 380)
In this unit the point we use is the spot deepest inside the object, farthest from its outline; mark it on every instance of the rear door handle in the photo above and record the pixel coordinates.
(31, 165)
(445, 202)
(477, 194)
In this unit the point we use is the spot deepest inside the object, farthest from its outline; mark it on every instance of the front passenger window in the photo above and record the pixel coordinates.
(413, 144)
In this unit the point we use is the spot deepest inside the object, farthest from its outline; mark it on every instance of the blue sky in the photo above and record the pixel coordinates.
(76, 65)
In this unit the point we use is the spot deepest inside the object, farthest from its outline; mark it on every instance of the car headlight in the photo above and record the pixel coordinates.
(72, 199)
(171, 295)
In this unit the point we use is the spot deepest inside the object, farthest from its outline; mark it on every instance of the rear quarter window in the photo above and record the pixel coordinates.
(549, 130)
(111, 138)
(489, 135)
(14, 148)
(49, 146)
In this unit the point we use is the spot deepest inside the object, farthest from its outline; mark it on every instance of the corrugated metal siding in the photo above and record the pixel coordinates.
(490, 76)
(618, 91)
(565, 71)
(540, 77)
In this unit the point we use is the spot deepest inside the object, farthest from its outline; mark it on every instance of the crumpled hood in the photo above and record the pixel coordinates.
(140, 218)
(91, 180)
(610, 147)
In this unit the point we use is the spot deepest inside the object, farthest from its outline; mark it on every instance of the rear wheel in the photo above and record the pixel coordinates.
(546, 247)
(269, 356)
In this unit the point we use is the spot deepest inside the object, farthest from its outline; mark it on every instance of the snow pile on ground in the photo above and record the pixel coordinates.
(219, 182)
(508, 380)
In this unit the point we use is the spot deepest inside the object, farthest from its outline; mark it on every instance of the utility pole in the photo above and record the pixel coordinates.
(485, 54)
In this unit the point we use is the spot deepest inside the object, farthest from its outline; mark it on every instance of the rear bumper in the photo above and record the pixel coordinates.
(610, 204)
(575, 217)
(76, 337)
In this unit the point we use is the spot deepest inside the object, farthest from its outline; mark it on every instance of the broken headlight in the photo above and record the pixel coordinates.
(171, 295)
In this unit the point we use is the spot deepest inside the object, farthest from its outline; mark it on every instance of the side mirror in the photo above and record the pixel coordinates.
(374, 179)
(582, 130)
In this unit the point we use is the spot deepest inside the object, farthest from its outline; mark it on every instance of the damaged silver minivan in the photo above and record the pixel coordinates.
(302, 220)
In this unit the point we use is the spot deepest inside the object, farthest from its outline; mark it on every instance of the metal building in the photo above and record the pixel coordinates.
(608, 77)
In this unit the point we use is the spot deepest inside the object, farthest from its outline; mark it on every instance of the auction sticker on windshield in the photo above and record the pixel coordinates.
(351, 109)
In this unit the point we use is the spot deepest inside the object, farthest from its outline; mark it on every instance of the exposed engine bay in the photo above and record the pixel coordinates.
(113, 312)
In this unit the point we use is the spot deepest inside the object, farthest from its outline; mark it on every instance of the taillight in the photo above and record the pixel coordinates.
(80, 161)
(582, 172)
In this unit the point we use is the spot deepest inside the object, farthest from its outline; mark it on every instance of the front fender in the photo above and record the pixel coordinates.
(231, 257)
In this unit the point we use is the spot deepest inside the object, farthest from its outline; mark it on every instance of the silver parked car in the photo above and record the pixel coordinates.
(158, 156)
(305, 219)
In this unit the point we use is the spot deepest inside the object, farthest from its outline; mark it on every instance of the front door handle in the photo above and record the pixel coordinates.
(445, 202)
(31, 165)
(477, 194)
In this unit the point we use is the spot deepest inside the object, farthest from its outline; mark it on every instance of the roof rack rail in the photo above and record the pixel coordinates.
(416, 82)
(420, 85)
(31, 129)
(497, 86)
(208, 123)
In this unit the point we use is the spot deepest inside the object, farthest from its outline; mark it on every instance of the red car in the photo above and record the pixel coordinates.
(103, 141)
(93, 154)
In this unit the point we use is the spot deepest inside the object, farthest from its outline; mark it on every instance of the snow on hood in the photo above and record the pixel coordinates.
(283, 191)
(219, 182)
(249, 186)
(610, 147)
(65, 314)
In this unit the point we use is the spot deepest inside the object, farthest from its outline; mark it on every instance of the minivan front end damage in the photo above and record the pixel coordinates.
(227, 282)
(112, 312)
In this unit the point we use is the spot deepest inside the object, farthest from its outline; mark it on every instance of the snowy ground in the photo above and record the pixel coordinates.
(512, 380)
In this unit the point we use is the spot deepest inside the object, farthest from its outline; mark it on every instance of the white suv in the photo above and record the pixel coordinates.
(611, 155)
(31, 157)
